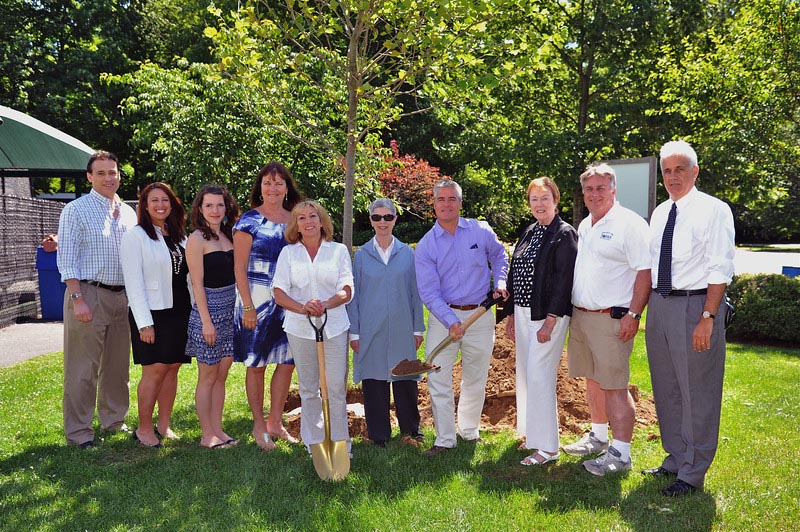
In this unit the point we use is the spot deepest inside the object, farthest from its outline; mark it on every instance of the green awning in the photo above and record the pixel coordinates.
(30, 148)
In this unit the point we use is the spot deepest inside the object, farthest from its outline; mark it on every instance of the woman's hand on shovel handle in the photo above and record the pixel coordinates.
(314, 307)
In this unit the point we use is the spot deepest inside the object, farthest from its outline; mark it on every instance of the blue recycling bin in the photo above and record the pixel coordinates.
(791, 271)
(51, 289)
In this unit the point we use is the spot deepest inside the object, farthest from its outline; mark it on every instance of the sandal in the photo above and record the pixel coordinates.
(540, 458)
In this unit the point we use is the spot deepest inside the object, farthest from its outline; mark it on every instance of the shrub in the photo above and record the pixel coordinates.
(767, 308)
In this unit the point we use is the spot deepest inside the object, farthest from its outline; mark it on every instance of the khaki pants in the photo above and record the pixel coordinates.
(476, 353)
(96, 364)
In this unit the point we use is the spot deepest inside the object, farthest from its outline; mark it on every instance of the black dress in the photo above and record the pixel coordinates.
(170, 324)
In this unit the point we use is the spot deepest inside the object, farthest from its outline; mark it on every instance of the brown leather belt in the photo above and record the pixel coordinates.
(603, 310)
(463, 307)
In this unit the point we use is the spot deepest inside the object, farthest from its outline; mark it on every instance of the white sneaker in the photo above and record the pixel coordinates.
(589, 444)
(608, 462)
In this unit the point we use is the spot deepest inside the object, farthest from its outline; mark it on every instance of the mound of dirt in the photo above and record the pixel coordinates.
(499, 410)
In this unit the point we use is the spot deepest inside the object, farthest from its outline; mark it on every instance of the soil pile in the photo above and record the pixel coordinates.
(499, 410)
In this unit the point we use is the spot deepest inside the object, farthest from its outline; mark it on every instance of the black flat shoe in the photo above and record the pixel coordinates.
(143, 444)
(659, 472)
(679, 488)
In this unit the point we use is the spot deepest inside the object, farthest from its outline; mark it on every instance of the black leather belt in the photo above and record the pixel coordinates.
(463, 307)
(113, 288)
(698, 292)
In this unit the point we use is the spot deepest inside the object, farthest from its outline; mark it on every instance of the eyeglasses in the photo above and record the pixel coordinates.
(385, 217)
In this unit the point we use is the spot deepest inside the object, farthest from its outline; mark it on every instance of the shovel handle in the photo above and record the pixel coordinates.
(480, 311)
(318, 330)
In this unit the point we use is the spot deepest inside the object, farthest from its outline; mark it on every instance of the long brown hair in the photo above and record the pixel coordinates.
(176, 221)
(231, 212)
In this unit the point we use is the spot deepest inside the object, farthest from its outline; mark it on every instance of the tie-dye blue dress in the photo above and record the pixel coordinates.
(267, 343)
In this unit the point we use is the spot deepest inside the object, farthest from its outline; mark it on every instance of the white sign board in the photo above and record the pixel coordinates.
(636, 184)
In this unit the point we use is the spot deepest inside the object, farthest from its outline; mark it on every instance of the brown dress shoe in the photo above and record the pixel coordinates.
(436, 450)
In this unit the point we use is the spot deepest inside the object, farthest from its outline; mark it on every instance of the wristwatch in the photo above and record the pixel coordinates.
(75, 295)
(707, 314)
(634, 315)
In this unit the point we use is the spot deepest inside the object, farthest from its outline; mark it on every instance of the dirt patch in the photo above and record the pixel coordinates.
(499, 410)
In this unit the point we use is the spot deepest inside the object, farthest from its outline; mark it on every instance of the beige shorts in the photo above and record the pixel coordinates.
(594, 350)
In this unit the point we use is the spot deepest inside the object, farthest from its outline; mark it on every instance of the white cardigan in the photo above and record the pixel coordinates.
(147, 268)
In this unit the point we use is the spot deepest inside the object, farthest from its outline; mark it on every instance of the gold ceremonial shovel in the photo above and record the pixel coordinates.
(331, 458)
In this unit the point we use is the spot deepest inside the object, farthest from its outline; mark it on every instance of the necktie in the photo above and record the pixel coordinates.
(664, 284)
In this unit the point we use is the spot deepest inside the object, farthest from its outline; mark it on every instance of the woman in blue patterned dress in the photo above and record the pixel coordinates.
(209, 255)
(259, 338)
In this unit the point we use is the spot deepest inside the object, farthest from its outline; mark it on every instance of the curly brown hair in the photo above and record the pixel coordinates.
(231, 212)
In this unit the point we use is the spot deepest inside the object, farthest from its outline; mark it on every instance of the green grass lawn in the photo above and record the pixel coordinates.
(752, 485)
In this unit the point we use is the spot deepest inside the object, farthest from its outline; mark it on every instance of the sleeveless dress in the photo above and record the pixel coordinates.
(171, 325)
(220, 288)
(267, 343)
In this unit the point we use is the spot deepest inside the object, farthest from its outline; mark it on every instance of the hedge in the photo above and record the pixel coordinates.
(767, 308)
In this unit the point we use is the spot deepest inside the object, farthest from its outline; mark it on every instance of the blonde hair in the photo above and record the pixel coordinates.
(544, 183)
(292, 232)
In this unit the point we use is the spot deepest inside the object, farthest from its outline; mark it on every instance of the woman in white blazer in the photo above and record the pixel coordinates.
(154, 266)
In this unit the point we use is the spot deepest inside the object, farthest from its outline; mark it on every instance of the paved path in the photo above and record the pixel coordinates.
(22, 341)
(26, 340)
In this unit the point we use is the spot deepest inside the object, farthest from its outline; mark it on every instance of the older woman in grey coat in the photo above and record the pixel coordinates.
(386, 327)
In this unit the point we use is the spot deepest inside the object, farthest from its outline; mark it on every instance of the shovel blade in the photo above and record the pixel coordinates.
(331, 459)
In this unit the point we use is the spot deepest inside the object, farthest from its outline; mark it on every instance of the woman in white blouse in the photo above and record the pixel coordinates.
(314, 275)
(154, 266)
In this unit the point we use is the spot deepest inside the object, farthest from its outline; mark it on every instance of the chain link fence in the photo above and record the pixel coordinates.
(24, 222)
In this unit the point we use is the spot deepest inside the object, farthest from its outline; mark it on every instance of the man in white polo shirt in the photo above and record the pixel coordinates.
(610, 290)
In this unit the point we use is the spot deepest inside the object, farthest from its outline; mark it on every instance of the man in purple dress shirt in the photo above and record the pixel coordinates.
(453, 262)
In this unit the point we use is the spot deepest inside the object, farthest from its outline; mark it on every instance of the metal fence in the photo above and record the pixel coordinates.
(24, 222)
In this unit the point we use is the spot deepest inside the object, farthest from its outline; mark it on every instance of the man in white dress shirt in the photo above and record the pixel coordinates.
(692, 248)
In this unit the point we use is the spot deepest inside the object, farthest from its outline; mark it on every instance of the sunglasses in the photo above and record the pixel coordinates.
(385, 217)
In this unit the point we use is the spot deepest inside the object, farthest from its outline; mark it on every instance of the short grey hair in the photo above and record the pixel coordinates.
(600, 169)
(384, 203)
(447, 183)
(679, 147)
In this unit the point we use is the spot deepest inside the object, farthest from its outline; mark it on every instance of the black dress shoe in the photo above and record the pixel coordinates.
(679, 488)
(659, 472)
(86, 444)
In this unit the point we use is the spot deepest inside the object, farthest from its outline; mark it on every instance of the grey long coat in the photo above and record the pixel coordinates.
(385, 312)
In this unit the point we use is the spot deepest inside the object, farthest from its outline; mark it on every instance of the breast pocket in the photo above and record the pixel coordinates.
(477, 259)
(300, 275)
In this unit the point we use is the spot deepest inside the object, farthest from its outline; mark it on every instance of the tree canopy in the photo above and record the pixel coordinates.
(493, 92)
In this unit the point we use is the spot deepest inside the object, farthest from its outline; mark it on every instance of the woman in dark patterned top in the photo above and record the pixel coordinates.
(540, 287)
